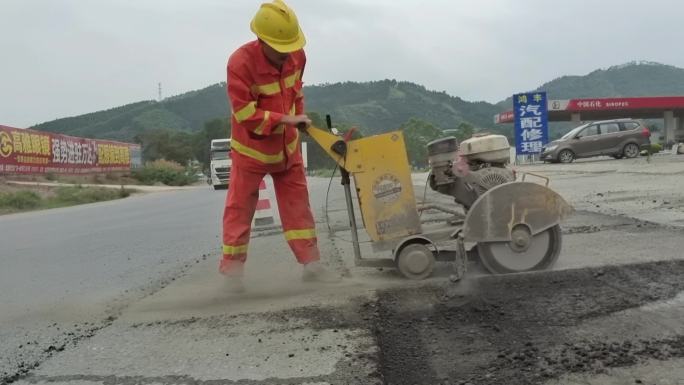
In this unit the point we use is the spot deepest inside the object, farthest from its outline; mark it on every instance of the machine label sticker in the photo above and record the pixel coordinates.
(394, 224)
(387, 188)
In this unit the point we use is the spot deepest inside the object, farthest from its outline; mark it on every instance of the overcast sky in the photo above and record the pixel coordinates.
(62, 58)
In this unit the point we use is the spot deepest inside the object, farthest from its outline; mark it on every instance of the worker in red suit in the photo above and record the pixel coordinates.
(265, 93)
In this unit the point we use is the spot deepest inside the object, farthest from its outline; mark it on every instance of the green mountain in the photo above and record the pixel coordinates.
(372, 106)
(631, 79)
(387, 104)
(187, 112)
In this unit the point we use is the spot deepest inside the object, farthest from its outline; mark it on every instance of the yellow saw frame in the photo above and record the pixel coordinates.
(382, 177)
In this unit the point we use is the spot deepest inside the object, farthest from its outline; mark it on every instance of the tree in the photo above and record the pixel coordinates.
(465, 131)
(166, 144)
(179, 148)
(417, 134)
(462, 132)
(176, 146)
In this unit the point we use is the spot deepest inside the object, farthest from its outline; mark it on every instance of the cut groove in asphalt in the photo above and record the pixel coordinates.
(527, 328)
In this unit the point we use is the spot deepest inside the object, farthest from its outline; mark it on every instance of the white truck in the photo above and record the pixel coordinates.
(220, 165)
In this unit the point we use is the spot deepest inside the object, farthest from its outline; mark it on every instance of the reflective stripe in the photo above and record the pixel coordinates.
(292, 146)
(268, 89)
(260, 130)
(274, 88)
(292, 235)
(292, 110)
(227, 249)
(279, 129)
(254, 154)
(290, 80)
(245, 112)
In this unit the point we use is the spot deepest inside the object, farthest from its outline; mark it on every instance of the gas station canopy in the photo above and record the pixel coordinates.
(669, 108)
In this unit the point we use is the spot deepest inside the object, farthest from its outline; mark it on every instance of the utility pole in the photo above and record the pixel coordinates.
(160, 92)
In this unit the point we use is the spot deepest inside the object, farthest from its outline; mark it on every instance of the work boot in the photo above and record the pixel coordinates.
(234, 284)
(233, 278)
(315, 272)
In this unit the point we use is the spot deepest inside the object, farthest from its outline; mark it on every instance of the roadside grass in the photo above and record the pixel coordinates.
(27, 200)
(164, 172)
(112, 178)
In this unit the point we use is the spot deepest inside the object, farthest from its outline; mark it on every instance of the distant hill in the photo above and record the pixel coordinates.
(631, 79)
(384, 105)
(372, 106)
(186, 112)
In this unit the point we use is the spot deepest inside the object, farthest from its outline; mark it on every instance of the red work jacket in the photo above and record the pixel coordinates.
(259, 96)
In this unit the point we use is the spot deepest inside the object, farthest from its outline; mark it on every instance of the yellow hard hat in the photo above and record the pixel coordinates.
(276, 24)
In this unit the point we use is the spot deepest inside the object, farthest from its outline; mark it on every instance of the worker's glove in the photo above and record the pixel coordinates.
(302, 127)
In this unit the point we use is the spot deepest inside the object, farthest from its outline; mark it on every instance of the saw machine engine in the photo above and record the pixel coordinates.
(467, 174)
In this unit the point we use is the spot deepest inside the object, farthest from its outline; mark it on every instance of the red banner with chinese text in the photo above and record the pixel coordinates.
(24, 151)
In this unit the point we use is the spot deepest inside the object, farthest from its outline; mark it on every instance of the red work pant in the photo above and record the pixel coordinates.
(293, 206)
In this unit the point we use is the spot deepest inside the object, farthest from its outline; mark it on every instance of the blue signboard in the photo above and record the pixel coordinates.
(531, 122)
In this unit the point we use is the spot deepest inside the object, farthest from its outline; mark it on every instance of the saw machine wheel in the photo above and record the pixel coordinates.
(525, 252)
(415, 261)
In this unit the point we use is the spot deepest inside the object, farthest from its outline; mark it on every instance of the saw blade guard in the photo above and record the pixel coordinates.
(496, 213)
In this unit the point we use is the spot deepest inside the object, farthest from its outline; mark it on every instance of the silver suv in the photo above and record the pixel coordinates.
(617, 138)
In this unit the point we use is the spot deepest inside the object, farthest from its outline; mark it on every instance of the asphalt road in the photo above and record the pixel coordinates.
(127, 292)
(67, 270)
(67, 274)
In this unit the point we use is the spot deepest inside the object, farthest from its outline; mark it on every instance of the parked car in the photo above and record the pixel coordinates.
(617, 138)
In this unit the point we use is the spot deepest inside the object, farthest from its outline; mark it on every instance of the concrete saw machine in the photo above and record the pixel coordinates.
(510, 224)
